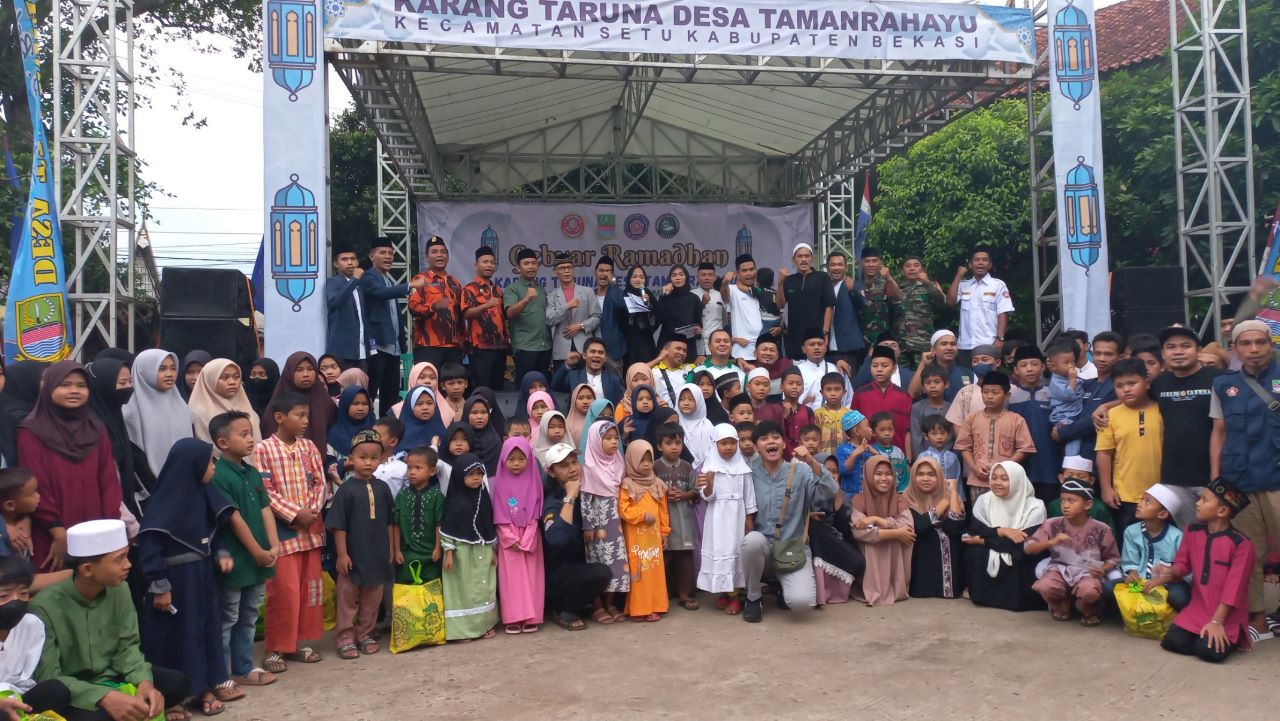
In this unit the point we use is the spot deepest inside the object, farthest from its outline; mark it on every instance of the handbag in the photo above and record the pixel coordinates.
(1146, 614)
(788, 555)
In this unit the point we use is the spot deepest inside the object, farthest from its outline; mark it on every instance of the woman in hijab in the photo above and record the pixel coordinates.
(355, 414)
(176, 553)
(300, 376)
(998, 571)
(18, 397)
(468, 536)
(353, 377)
(601, 409)
(885, 531)
(516, 491)
(678, 308)
(191, 367)
(641, 321)
(68, 451)
(421, 418)
(157, 417)
(479, 415)
(264, 374)
(111, 387)
(939, 521)
(218, 390)
(576, 416)
(699, 433)
(532, 382)
(330, 370)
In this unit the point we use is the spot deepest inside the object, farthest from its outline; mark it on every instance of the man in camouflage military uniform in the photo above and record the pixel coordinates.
(916, 311)
(880, 291)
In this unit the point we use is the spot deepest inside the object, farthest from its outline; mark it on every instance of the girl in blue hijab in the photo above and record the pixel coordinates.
(355, 414)
(421, 418)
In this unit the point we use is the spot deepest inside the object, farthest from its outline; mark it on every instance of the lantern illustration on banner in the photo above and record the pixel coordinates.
(1073, 48)
(291, 43)
(489, 239)
(742, 242)
(1084, 224)
(295, 261)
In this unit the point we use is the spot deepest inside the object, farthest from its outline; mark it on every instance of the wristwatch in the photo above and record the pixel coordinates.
(570, 500)
(1000, 338)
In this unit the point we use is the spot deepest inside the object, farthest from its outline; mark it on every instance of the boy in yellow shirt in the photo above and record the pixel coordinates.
(1129, 448)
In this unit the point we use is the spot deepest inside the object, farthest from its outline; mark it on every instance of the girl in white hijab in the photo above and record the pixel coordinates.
(699, 433)
(1012, 506)
(156, 416)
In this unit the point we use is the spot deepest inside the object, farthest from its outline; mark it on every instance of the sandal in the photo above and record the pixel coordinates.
(617, 615)
(602, 617)
(1061, 616)
(1090, 621)
(256, 677)
(653, 618)
(530, 628)
(570, 622)
(369, 646)
(513, 629)
(734, 607)
(348, 652)
(228, 691)
(274, 664)
(177, 713)
(488, 634)
(210, 705)
(302, 655)
(689, 604)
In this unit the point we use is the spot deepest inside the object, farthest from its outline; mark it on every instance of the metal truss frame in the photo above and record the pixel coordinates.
(93, 68)
(906, 100)
(1044, 204)
(1213, 140)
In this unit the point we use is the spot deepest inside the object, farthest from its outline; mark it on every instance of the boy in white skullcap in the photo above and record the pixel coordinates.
(91, 632)
(1154, 539)
(1078, 468)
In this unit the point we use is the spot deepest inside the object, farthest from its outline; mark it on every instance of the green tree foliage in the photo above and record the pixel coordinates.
(353, 190)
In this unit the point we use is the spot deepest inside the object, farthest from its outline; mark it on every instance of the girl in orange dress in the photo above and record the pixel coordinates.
(645, 526)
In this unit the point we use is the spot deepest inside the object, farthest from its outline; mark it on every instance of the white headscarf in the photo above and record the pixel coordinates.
(715, 463)
(1020, 509)
(699, 433)
(156, 419)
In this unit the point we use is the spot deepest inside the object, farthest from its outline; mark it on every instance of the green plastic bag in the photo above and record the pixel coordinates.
(1146, 614)
(417, 612)
(131, 690)
(38, 715)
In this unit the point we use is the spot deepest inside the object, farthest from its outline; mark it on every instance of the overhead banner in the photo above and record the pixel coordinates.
(851, 29)
(1077, 161)
(36, 323)
(655, 236)
(295, 139)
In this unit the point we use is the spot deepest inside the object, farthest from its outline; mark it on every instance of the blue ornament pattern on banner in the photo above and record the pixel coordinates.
(1074, 48)
(1080, 203)
(291, 43)
(295, 261)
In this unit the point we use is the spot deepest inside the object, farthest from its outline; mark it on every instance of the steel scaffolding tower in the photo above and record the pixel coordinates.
(1044, 206)
(1214, 154)
(93, 67)
(394, 219)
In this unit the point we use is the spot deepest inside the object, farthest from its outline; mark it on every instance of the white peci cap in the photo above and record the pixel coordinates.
(95, 538)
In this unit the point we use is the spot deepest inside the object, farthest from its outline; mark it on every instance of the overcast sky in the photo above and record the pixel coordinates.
(214, 173)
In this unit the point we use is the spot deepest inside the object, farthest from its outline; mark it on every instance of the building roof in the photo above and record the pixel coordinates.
(1130, 33)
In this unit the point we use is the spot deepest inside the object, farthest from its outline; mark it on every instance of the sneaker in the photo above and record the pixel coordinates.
(752, 611)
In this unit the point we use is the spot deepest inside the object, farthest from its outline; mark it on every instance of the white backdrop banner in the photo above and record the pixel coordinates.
(855, 29)
(654, 235)
(1077, 162)
(294, 141)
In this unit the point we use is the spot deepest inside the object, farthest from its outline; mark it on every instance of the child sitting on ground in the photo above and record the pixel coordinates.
(726, 486)
(1082, 552)
(677, 473)
(642, 505)
(1153, 541)
(1080, 469)
(883, 431)
(360, 519)
(416, 516)
(21, 643)
(1219, 560)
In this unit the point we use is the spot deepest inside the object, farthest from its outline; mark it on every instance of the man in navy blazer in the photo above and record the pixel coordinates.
(591, 368)
(345, 340)
(384, 323)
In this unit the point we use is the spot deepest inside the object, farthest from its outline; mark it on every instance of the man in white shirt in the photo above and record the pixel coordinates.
(745, 324)
(712, 307)
(670, 369)
(984, 303)
(814, 366)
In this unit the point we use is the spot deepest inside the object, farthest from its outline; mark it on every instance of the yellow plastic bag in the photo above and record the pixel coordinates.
(417, 612)
(330, 592)
(1146, 614)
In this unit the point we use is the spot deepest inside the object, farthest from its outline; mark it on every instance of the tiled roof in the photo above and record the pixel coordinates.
(1129, 33)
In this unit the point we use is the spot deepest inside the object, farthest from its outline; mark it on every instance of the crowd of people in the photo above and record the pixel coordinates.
(703, 442)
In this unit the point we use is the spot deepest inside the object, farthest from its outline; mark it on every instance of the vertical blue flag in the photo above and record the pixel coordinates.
(864, 218)
(11, 175)
(35, 321)
(255, 280)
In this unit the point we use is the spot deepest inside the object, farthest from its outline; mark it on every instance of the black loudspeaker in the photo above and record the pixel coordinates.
(1146, 300)
(208, 310)
(204, 293)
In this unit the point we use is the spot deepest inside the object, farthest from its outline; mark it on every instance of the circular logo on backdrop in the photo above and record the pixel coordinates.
(667, 225)
(636, 226)
(572, 225)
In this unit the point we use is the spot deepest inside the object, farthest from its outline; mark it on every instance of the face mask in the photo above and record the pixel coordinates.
(122, 395)
(258, 385)
(982, 369)
(11, 613)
